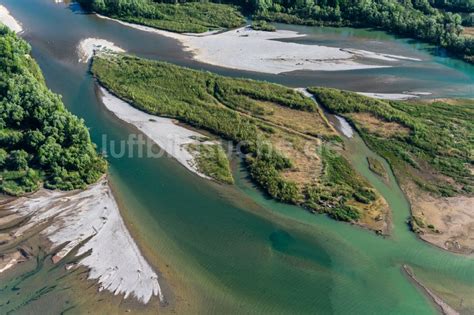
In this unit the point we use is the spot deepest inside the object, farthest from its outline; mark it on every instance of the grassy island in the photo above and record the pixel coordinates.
(377, 167)
(291, 149)
(430, 146)
(41, 143)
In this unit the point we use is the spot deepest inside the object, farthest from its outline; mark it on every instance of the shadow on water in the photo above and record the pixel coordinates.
(76, 8)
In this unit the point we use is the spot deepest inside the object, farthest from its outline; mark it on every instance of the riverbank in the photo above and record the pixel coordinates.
(88, 223)
(446, 222)
(260, 51)
(9, 21)
(174, 139)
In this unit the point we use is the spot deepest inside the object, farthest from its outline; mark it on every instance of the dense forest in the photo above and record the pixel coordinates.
(194, 17)
(41, 143)
(466, 6)
(274, 126)
(428, 20)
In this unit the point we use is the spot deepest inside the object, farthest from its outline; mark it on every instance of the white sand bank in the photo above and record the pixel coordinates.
(395, 96)
(9, 260)
(379, 56)
(169, 136)
(9, 21)
(93, 215)
(420, 93)
(89, 46)
(389, 96)
(251, 50)
(345, 128)
(246, 49)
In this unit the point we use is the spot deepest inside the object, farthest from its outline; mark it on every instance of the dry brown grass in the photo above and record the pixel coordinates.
(295, 137)
(374, 216)
(307, 165)
(448, 222)
(378, 126)
(310, 123)
(468, 31)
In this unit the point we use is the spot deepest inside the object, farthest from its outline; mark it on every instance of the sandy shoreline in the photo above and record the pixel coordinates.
(250, 50)
(390, 96)
(9, 21)
(89, 220)
(451, 218)
(89, 46)
(169, 136)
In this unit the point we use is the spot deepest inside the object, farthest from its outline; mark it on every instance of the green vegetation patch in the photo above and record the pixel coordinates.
(436, 153)
(243, 111)
(377, 167)
(193, 17)
(212, 161)
(40, 141)
(350, 186)
(262, 25)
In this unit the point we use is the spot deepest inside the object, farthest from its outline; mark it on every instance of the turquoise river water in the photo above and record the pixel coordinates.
(231, 248)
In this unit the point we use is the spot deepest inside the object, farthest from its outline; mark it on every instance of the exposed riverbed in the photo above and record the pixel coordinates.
(221, 249)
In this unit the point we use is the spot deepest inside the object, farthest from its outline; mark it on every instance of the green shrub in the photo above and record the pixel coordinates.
(194, 17)
(439, 140)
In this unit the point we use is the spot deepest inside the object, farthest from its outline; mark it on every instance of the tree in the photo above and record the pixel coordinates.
(18, 160)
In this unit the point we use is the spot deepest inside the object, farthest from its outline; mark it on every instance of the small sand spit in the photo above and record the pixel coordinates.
(7, 261)
(443, 306)
(379, 56)
(169, 136)
(90, 220)
(89, 46)
(395, 96)
(9, 21)
(259, 51)
(389, 96)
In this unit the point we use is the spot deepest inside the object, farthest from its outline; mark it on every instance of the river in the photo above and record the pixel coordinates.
(231, 249)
